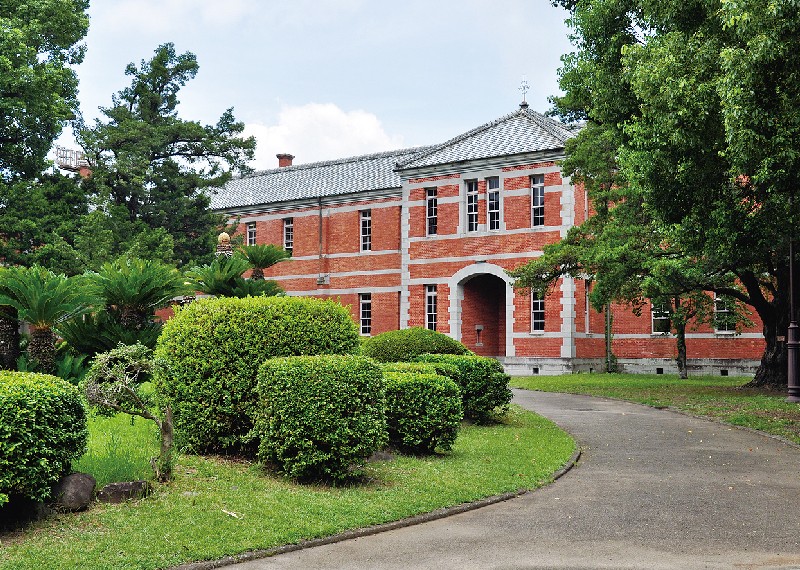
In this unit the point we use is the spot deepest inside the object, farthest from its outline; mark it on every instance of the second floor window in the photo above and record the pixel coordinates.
(430, 307)
(251, 233)
(493, 203)
(431, 207)
(288, 234)
(537, 200)
(366, 230)
(472, 205)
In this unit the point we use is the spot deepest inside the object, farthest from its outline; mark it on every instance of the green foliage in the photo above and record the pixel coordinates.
(320, 417)
(484, 385)
(39, 87)
(223, 278)
(42, 430)
(151, 168)
(404, 345)
(423, 411)
(212, 349)
(101, 331)
(261, 257)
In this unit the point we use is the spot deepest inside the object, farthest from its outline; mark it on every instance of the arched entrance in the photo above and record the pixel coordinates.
(482, 315)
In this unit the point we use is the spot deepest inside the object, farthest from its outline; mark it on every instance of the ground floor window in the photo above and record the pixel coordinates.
(365, 308)
(661, 318)
(537, 311)
(430, 307)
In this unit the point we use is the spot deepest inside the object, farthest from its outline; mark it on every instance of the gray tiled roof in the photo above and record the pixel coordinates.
(313, 180)
(523, 131)
(520, 132)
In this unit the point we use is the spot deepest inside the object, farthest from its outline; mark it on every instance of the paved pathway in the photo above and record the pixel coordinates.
(653, 489)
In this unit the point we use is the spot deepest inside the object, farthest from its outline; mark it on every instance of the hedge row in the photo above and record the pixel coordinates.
(210, 352)
(42, 430)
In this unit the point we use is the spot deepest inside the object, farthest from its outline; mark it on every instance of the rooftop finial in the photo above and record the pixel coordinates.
(524, 86)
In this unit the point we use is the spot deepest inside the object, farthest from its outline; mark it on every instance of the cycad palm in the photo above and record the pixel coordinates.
(134, 289)
(44, 300)
(261, 257)
(219, 277)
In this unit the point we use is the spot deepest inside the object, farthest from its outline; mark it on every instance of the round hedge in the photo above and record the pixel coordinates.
(209, 353)
(321, 416)
(423, 411)
(42, 431)
(484, 385)
(405, 345)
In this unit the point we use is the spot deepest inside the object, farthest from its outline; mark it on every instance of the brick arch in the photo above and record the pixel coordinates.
(459, 285)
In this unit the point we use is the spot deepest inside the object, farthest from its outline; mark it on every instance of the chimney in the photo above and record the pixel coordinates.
(284, 160)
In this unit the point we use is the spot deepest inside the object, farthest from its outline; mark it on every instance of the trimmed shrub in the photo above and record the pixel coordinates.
(423, 411)
(321, 417)
(484, 386)
(42, 431)
(405, 345)
(209, 353)
(440, 368)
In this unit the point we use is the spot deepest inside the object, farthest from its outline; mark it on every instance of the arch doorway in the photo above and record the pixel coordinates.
(483, 315)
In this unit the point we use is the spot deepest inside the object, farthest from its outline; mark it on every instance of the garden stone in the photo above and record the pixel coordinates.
(74, 492)
(120, 492)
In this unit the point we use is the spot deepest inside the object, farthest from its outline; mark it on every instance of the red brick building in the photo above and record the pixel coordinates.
(424, 236)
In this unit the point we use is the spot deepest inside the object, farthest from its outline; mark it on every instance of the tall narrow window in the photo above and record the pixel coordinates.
(288, 234)
(365, 310)
(661, 318)
(537, 311)
(431, 210)
(493, 203)
(251, 233)
(537, 200)
(430, 307)
(366, 230)
(724, 315)
(472, 205)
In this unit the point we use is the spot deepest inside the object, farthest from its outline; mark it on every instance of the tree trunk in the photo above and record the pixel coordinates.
(680, 360)
(772, 372)
(9, 338)
(162, 466)
(257, 274)
(42, 348)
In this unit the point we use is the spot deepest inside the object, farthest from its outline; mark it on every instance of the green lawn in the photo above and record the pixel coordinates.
(217, 507)
(714, 396)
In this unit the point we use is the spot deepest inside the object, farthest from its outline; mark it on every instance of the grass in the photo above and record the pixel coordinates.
(217, 507)
(714, 396)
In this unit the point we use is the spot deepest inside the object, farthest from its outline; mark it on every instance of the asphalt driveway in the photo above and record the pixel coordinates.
(653, 489)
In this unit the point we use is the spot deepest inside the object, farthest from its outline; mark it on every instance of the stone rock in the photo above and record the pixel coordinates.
(120, 492)
(73, 492)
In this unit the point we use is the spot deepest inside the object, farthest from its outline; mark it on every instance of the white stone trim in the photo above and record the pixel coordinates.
(568, 317)
(331, 292)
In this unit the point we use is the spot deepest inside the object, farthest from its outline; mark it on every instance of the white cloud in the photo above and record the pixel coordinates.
(319, 131)
(161, 16)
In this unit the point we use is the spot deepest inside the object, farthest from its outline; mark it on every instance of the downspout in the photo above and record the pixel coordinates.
(320, 274)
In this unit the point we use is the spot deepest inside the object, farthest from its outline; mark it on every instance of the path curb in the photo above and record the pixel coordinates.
(375, 529)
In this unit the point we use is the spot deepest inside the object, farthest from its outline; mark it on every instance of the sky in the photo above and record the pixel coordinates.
(328, 79)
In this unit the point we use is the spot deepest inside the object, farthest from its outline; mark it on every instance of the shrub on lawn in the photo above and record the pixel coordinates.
(423, 411)
(210, 351)
(42, 430)
(404, 345)
(320, 417)
(440, 368)
(484, 386)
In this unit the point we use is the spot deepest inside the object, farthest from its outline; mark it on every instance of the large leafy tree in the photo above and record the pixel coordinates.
(152, 169)
(38, 88)
(691, 114)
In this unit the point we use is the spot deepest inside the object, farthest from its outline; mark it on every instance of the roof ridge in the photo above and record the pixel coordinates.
(548, 125)
(322, 163)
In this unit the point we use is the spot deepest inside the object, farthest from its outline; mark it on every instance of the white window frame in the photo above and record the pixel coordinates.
(722, 306)
(537, 200)
(471, 205)
(365, 219)
(494, 216)
(537, 312)
(251, 233)
(288, 235)
(365, 313)
(660, 313)
(431, 307)
(431, 211)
